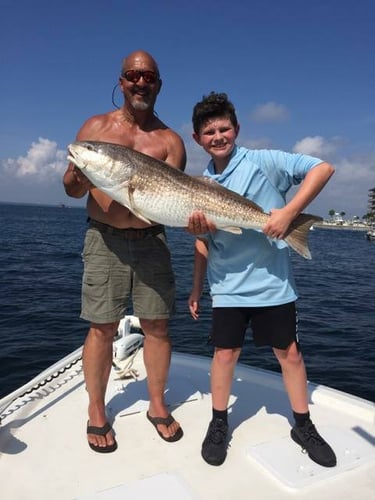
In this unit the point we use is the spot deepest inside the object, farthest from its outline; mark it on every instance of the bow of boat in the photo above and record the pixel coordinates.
(44, 451)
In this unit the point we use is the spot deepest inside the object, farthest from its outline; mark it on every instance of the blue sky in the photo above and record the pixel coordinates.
(300, 73)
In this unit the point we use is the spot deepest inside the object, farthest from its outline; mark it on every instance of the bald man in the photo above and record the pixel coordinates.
(126, 258)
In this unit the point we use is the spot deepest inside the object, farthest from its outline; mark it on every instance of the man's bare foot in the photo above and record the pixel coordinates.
(101, 439)
(167, 427)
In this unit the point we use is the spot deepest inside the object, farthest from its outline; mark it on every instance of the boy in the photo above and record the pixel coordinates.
(250, 275)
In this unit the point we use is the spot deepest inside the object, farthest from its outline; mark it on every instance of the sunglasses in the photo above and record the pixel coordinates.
(134, 75)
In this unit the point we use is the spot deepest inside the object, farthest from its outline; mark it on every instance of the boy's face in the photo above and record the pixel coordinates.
(217, 137)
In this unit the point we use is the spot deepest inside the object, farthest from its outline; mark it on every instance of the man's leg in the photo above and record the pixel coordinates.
(157, 358)
(97, 361)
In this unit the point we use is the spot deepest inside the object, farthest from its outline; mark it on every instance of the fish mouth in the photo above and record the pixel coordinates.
(74, 158)
(71, 155)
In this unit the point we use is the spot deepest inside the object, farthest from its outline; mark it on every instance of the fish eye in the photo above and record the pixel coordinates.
(90, 147)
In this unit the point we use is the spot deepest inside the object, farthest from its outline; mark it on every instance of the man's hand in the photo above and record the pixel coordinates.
(76, 184)
(80, 178)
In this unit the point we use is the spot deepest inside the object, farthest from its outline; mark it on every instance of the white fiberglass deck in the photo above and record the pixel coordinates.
(44, 452)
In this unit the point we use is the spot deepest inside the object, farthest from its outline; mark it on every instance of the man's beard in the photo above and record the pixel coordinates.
(140, 105)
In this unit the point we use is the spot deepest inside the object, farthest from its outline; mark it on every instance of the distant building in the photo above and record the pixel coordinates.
(338, 219)
(371, 201)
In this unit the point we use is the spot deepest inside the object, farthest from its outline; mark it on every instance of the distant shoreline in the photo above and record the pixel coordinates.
(42, 205)
(340, 227)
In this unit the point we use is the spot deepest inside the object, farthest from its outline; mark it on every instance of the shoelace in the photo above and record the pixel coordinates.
(217, 431)
(311, 434)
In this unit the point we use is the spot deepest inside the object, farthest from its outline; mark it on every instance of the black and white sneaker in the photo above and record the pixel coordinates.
(214, 446)
(312, 442)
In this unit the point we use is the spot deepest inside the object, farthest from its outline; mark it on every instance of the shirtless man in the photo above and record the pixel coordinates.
(124, 256)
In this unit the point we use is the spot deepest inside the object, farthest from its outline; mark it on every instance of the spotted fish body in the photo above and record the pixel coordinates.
(156, 192)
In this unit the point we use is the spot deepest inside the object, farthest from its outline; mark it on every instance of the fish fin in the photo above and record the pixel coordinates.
(232, 229)
(132, 207)
(140, 216)
(135, 212)
(298, 232)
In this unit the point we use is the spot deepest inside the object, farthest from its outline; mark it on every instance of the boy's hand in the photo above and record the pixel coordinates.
(198, 224)
(278, 223)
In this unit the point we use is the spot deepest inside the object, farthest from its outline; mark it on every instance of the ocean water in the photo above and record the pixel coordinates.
(40, 280)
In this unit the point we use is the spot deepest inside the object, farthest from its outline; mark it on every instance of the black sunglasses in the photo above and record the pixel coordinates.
(134, 75)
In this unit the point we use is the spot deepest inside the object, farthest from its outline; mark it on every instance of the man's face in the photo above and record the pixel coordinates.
(217, 137)
(140, 83)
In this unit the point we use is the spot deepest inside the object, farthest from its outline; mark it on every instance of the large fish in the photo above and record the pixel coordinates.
(156, 192)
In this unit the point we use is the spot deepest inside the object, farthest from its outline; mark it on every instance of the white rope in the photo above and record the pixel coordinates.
(124, 367)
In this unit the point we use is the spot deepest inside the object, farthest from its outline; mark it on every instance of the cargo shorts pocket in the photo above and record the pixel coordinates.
(93, 277)
(95, 284)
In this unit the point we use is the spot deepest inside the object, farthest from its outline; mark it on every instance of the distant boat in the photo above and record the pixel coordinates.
(370, 235)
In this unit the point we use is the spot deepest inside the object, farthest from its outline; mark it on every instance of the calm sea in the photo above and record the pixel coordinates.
(40, 279)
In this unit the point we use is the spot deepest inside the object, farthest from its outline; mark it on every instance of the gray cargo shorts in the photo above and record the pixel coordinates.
(123, 265)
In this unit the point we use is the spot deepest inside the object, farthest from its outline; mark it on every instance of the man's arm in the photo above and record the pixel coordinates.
(176, 152)
(76, 184)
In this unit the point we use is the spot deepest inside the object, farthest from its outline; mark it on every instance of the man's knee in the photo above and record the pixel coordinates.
(154, 327)
(105, 331)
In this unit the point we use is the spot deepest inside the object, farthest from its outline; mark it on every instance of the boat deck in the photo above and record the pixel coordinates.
(44, 452)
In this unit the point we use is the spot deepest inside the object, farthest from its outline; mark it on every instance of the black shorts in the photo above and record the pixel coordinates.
(274, 325)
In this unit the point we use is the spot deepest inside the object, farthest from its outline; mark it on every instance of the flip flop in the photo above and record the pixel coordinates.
(101, 431)
(165, 421)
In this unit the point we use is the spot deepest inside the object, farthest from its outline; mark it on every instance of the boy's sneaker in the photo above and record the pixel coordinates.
(214, 446)
(312, 442)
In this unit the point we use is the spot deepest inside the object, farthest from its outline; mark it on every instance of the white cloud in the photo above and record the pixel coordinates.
(316, 146)
(43, 162)
(270, 112)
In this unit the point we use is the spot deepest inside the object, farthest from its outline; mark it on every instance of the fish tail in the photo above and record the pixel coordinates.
(298, 233)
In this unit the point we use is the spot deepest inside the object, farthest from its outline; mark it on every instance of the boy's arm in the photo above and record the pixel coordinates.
(311, 186)
(199, 273)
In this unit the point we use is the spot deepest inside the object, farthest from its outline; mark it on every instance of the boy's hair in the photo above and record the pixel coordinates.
(213, 106)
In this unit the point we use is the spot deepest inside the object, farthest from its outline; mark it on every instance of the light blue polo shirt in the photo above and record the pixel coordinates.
(251, 270)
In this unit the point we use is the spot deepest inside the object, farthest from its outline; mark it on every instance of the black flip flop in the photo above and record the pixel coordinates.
(165, 421)
(101, 431)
